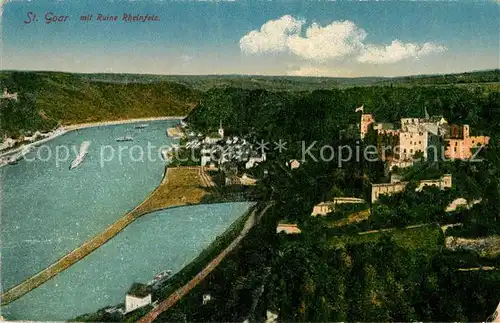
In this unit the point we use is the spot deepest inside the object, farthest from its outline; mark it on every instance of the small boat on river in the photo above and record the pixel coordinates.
(160, 277)
(84, 149)
(126, 138)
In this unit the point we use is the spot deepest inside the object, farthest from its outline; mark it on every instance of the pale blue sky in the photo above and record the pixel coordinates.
(300, 37)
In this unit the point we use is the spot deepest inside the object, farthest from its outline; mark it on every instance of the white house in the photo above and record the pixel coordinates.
(322, 208)
(7, 95)
(206, 298)
(271, 317)
(205, 160)
(288, 228)
(7, 143)
(413, 137)
(246, 180)
(255, 160)
(211, 140)
(138, 296)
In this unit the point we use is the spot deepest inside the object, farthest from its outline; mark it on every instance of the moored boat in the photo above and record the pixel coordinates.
(161, 276)
(126, 138)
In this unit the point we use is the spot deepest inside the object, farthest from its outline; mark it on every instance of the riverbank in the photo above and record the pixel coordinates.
(176, 296)
(51, 135)
(116, 122)
(66, 128)
(180, 186)
(25, 148)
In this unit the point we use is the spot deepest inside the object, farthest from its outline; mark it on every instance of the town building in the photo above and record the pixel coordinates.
(413, 138)
(138, 296)
(205, 160)
(461, 203)
(288, 228)
(206, 298)
(424, 137)
(324, 208)
(229, 150)
(244, 180)
(253, 161)
(459, 143)
(271, 317)
(211, 140)
(7, 95)
(366, 121)
(392, 188)
(221, 130)
(247, 181)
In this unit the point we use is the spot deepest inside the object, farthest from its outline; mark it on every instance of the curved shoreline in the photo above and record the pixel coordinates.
(66, 128)
(117, 122)
(97, 241)
(73, 256)
(182, 291)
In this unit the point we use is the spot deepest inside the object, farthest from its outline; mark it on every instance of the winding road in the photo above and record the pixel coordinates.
(182, 291)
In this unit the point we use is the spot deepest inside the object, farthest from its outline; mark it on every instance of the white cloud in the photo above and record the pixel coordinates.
(272, 37)
(334, 41)
(397, 51)
(340, 40)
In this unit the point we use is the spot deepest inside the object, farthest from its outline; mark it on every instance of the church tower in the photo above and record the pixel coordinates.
(221, 130)
(366, 121)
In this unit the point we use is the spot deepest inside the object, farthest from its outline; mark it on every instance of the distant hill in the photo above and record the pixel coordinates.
(295, 83)
(489, 76)
(49, 98)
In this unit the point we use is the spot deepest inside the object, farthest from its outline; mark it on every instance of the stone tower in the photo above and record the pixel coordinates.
(221, 130)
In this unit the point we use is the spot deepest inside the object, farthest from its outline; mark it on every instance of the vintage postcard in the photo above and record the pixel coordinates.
(249, 161)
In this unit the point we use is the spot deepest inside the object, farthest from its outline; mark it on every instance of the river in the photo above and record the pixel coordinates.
(49, 210)
(167, 239)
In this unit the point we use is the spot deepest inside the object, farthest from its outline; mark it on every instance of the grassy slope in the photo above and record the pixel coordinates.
(428, 237)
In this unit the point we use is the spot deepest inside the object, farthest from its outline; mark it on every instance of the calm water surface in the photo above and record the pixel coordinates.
(167, 239)
(48, 210)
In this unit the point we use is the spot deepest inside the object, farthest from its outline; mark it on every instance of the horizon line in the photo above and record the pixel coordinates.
(493, 69)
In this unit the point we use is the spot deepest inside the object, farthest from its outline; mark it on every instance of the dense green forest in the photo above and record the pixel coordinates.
(406, 276)
(324, 114)
(290, 83)
(334, 274)
(48, 99)
(461, 78)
